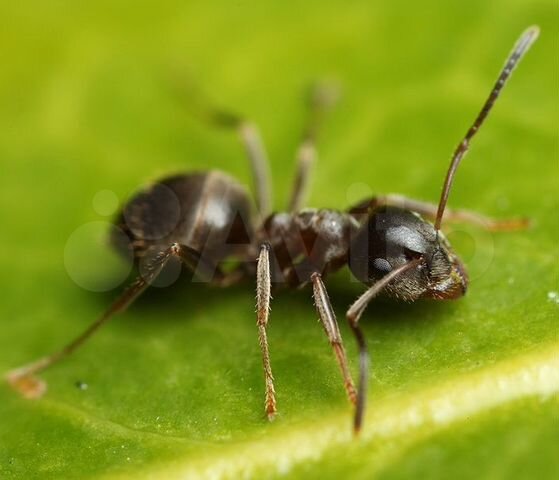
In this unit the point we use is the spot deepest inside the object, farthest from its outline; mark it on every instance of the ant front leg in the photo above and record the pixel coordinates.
(429, 210)
(353, 315)
(24, 380)
(263, 297)
(330, 324)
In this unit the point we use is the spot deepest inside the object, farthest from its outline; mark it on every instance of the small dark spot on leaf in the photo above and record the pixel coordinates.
(81, 385)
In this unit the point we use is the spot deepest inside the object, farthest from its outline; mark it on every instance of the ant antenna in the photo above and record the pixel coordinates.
(522, 45)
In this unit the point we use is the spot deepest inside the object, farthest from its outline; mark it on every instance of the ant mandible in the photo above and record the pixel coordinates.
(205, 218)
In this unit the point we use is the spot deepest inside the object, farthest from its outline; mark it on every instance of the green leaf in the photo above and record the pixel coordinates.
(173, 388)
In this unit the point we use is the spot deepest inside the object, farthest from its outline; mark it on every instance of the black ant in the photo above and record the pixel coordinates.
(205, 218)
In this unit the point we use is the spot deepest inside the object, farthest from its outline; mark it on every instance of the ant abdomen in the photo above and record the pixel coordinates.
(210, 212)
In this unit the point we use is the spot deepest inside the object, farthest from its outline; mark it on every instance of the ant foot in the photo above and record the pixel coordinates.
(271, 411)
(511, 225)
(26, 385)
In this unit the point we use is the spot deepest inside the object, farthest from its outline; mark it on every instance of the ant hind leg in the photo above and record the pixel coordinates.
(24, 380)
(322, 96)
(202, 107)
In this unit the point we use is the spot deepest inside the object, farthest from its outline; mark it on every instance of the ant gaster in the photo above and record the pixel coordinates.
(204, 219)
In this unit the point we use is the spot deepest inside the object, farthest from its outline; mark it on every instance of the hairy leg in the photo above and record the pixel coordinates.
(330, 324)
(263, 297)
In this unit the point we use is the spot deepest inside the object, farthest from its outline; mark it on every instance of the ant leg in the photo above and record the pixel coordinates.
(322, 97)
(306, 157)
(23, 378)
(429, 210)
(248, 132)
(353, 315)
(330, 324)
(256, 153)
(254, 147)
(263, 297)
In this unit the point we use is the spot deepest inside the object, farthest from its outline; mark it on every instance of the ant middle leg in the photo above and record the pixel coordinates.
(330, 324)
(263, 297)
(429, 210)
(322, 97)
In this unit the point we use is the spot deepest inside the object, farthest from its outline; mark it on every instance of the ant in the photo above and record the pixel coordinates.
(205, 218)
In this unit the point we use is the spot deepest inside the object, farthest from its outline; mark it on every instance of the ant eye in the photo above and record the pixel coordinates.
(382, 265)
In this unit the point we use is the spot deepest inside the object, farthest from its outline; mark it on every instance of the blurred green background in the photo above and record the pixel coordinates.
(458, 390)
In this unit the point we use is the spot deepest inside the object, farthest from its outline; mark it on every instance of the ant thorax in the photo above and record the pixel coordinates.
(312, 240)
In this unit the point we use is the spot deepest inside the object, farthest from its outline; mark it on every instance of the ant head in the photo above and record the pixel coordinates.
(392, 237)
